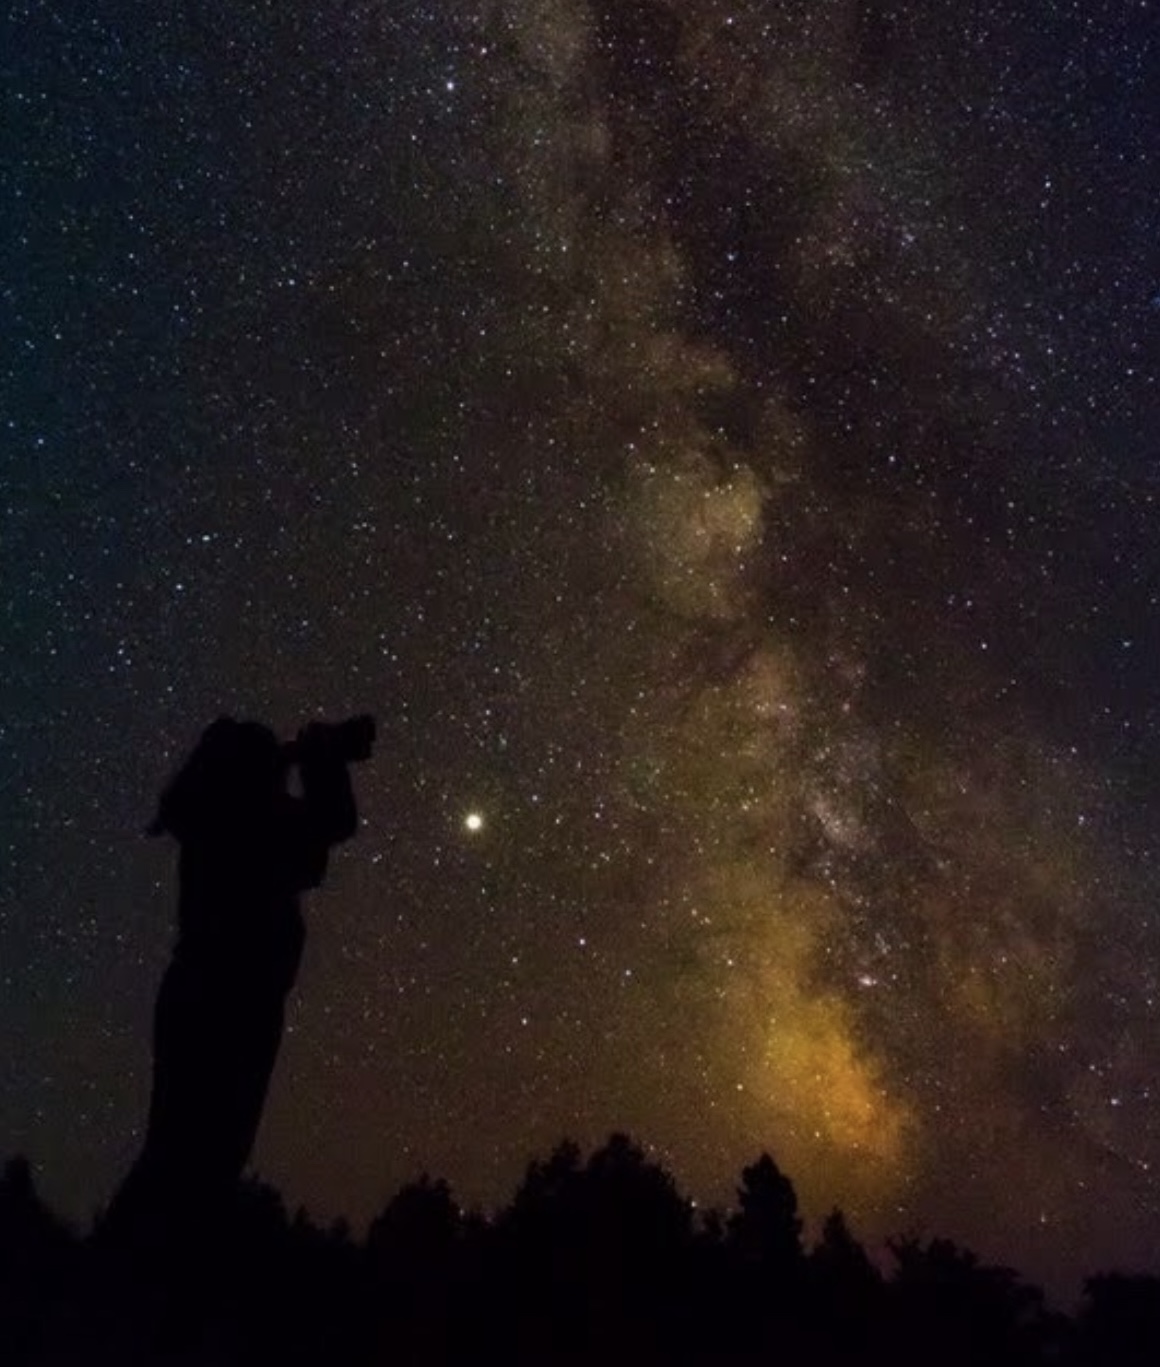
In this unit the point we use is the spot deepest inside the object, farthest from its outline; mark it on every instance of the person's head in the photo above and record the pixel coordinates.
(235, 770)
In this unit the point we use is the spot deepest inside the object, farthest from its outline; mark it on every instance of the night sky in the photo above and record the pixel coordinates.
(719, 442)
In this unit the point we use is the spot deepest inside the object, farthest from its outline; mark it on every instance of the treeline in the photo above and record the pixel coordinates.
(596, 1260)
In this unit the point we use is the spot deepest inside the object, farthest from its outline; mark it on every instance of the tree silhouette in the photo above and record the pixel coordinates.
(36, 1256)
(846, 1291)
(1119, 1322)
(595, 1260)
(765, 1304)
(839, 1260)
(414, 1249)
(418, 1227)
(766, 1229)
(944, 1301)
(31, 1236)
(595, 1253)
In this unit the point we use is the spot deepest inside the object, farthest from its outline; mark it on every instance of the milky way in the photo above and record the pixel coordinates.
(718, 443)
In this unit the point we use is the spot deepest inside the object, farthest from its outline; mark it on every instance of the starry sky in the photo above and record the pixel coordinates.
(718, 441)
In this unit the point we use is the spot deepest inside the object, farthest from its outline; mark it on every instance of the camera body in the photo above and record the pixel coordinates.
(349, 741)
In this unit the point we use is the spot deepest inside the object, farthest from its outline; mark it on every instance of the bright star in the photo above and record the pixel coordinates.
(473, 821)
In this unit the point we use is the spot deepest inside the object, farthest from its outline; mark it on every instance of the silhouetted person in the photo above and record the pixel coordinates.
(248, 848)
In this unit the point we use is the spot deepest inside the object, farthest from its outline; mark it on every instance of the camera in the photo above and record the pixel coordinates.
(349, 741)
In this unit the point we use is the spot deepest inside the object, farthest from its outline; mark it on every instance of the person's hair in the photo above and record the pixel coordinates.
(233, 764)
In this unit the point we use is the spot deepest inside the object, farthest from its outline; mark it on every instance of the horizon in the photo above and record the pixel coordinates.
(1064, 1293)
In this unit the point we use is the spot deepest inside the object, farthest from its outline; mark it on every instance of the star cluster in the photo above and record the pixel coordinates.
(717, 441)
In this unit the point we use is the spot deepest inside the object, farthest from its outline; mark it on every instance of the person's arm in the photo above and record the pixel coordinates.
(326, 787)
